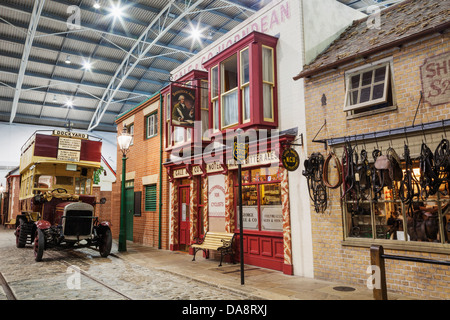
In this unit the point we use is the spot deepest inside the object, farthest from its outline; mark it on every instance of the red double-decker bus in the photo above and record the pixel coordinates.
(56, 201)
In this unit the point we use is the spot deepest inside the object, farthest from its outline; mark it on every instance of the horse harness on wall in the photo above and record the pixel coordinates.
(360, 180)
(314, 175)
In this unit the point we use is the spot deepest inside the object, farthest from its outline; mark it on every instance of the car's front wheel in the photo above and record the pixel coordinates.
(39, 245)
(105, 242)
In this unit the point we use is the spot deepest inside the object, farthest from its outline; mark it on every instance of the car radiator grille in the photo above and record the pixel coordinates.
(78, 223)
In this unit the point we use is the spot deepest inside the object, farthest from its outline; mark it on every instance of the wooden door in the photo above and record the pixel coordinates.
(129, 211)
(183, 214)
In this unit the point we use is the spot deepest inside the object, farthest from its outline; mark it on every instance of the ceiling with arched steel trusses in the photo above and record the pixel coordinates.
(84, 62)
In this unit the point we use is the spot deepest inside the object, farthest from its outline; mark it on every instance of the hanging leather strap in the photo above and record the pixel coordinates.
(326, 164)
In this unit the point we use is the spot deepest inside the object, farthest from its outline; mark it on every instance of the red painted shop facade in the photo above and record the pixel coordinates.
(202, 113)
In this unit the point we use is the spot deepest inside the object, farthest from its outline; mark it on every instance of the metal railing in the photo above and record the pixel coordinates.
(377, 258)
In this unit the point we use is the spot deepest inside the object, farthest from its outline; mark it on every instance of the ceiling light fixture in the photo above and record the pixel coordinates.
(196, 34)
(97, 5)
(68, 60)
(116, 11)
(69, 103)
(87, 65)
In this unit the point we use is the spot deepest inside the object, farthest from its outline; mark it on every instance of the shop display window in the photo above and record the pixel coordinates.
(385, 216)
(261, 200)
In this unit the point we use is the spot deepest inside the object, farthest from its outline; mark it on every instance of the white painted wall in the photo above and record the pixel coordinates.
(13, 136)
(324, 21)
(304, 29)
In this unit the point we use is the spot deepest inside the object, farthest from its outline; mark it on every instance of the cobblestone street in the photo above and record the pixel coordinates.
(112, 278)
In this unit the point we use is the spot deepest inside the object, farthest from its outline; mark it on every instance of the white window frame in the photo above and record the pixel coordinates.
(224, 94)
(360, 71)
(130, 129)
(245, 85)
(215, 99)
(204, 110)
(270, 83)
(152, 125)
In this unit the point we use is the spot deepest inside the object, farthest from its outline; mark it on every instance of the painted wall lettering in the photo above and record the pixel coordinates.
(436, 79)
(269, 23)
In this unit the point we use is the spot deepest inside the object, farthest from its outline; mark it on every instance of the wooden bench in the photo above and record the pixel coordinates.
(11, 224)
(219, 241)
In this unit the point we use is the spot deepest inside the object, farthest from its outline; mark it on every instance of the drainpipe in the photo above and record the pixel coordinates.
(160, 167)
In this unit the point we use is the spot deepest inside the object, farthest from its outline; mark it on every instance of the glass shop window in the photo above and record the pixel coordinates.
(383, 215)
(261, 200)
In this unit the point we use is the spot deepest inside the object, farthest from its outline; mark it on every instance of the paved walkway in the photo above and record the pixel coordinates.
(146, 273)
(260, 283)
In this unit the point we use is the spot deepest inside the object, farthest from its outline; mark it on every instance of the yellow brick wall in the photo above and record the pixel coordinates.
(332, 260)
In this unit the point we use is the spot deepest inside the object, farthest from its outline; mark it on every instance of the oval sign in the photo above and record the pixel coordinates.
(290, 159)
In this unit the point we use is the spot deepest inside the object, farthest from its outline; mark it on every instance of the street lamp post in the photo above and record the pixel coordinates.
(124, 141)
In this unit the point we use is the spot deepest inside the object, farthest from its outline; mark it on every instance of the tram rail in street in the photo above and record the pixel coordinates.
(7, 289)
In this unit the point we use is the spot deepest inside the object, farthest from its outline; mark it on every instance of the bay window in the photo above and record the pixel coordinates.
(243, 86)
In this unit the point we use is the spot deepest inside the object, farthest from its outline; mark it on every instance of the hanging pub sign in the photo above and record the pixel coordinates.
(182, 106)
(240, 152)
(290, 159)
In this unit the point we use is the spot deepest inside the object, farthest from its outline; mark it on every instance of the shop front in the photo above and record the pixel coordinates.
(204, 198)
(386, 118)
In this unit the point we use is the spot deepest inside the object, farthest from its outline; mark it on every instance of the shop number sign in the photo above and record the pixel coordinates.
(290, 159)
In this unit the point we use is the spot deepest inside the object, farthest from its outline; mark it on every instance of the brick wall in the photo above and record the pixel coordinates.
(143, 160)
(103, 211)
(332, 260)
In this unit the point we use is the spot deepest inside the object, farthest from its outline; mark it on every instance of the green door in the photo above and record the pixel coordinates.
(129, 208)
